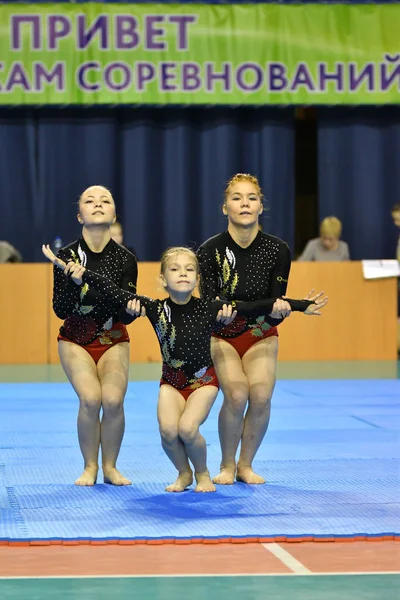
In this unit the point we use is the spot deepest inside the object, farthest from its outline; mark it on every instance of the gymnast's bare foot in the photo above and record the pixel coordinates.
(184, 480)
(114, 477)
(226, 476)
(204, 483)
(88, 477)
(247, 475)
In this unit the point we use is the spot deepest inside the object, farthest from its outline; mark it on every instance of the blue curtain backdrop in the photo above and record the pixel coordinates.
(359, 176)
(166, 167)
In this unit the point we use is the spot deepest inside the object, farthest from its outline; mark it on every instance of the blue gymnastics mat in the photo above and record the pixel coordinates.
(331, 460)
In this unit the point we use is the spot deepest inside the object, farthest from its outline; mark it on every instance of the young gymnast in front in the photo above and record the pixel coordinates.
(184, 325)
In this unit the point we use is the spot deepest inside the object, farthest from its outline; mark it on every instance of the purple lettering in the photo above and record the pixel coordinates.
(325, 77)
(356, 79)
(392, 59)
(81, 76)
(58, 27)
(118, 70)
(145, 73)
(100, 26)
(42, 75)
(256, 74)
(126, 32)
(16, 24)
(191, 77)
(211, 76)
(16, 77)
(387, 80)
(182, 22)
(152, 32)
(277, 75)
(166, 76)
(301, 77)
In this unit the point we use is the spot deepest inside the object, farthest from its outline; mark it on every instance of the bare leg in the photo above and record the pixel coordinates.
(196, 411)
(259, 364)
(171, 405)
(233, 381)
(113, 370)
(81, 371)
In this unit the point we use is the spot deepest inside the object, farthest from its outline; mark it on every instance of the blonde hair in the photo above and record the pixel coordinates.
(238, 178)
(331, 226)
(91, 187)
(173, 251)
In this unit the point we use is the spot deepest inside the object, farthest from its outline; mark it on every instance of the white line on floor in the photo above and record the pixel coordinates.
(153, 576)
(287, 559)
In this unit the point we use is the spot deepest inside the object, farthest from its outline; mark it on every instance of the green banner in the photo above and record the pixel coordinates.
(199, 54)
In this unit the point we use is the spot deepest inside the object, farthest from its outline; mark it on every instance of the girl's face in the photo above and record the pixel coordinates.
(180, 274)
(243, 204)
(96, 207)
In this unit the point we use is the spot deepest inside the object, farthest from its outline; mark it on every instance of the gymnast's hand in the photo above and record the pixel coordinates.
(281, 309)
(52, 257)
(226, 315)
(75, 271)
(133, 308)
(71, 269)
(319, 301)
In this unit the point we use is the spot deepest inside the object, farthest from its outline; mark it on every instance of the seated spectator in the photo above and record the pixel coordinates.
(396, 221)
(329, 246)
(9, 254)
